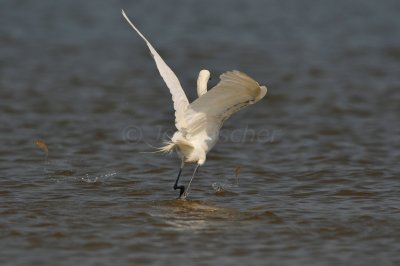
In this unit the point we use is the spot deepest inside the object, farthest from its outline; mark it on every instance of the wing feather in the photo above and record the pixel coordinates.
(179, 98)
(235, 91)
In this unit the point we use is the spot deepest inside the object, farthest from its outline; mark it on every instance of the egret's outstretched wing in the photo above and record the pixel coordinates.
(235, 91)
(178, 95)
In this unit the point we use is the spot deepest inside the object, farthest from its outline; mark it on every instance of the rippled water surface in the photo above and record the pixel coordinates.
(319, 156)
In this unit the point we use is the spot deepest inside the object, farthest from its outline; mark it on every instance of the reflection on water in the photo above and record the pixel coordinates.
(82, 103)
(191, 215)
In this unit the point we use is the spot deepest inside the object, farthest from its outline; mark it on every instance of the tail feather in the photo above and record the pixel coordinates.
(168, 148)
(184, 146)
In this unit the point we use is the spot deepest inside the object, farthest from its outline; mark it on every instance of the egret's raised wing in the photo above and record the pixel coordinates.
(235, 91)
(178, 95)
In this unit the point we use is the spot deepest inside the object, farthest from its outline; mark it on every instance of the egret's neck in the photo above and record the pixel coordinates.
(202, 82)
(201, 86)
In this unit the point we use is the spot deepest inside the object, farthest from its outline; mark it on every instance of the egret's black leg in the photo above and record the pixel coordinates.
(182, 188)
(187, 189)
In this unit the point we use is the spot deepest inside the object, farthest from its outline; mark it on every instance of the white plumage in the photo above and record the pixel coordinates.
(199, 122)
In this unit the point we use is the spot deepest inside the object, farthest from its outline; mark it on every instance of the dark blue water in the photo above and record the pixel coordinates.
(319, 156)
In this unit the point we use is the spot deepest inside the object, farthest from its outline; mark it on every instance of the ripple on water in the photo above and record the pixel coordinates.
(355, 193)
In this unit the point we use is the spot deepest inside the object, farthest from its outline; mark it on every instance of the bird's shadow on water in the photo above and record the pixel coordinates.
(188, 214)
(198, 215)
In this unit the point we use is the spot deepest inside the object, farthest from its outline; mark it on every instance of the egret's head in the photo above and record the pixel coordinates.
(202, 81)
(204, 75)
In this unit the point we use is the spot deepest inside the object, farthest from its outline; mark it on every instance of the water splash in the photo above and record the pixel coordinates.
(222, 187)
(94, 179)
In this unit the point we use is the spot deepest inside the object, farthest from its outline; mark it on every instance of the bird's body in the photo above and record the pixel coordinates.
(198, 123)
(194, 148)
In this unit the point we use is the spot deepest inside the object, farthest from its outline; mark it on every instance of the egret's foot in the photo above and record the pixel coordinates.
(182, 190)
(183, 197)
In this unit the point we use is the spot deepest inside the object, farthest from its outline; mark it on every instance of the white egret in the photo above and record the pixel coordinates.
(198, 123)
